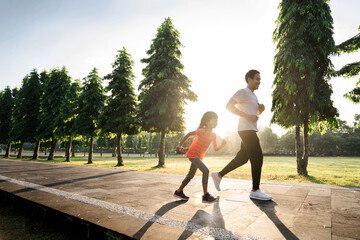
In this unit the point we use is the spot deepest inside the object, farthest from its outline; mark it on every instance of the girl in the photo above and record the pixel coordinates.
(204, 136)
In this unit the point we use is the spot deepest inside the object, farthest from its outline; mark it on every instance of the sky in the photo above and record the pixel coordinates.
(222, 41)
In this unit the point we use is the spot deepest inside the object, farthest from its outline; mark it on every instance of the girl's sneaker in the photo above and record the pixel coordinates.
(180, 195)
(207, 198)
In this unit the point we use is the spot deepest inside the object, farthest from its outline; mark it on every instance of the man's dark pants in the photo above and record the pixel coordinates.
(250, 149)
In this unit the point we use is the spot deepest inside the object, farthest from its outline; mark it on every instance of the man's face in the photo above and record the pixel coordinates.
(254, 82)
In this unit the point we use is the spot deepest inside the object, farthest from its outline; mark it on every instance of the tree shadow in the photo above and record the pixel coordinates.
(314, 179)
(164, 209)
(268, 207)
(70, 181)
(156, 167)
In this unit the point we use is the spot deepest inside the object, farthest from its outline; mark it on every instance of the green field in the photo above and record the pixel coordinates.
(342, 171)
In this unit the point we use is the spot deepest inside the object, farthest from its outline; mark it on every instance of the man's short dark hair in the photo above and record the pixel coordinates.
(251, 74)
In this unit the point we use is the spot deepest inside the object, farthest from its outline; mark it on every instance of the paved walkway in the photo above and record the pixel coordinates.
(140, 204)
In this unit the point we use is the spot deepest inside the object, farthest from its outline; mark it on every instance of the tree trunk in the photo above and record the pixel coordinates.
(302, 160)
(118, 148)
(73, 151)
(162, 150)
(114, 152)
(45, 151)
(68, 150)
(36, 150)
(101, 152)
(90, 158)
(20, 150)
(305, 156)
(8, 149)
(298, 148)
(52, 150)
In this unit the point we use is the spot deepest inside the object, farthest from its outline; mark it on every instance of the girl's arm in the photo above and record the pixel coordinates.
(178, 147)
(216, 148)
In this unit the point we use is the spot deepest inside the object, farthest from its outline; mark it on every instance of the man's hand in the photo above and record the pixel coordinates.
(252, 118)
(260, 109)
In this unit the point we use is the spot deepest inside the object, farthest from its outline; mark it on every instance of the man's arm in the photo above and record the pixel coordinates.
(231, 107)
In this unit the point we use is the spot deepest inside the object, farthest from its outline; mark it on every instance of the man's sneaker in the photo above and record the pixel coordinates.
(207, 198)
(259, 195)
(180, 195)
(216, 180)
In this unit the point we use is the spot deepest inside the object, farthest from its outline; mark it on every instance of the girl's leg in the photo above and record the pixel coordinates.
(188, 177)
(205, 188)
(203, 168)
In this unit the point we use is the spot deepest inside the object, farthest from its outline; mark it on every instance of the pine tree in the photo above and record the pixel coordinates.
(91, 102)
(119, 115)
(302, 65)
(7, 102)
(18, 124)
(27, 111)
(69, 112)
(165, 89)
(52, 116)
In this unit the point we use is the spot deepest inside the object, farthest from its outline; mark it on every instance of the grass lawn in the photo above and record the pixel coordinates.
(342, 171)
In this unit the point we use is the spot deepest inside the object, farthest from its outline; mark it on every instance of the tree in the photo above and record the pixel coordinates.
(7, 102)
(119, 115)
(69, 113)
(302, 68)
(268, 140)
(101, 143)
(352, 69)
(165, 89)
(130, 142)
(56, 87)
(18, 124)
(91, 103)
(26, 112)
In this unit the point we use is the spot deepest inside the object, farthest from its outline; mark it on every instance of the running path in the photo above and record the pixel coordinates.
(140, 204)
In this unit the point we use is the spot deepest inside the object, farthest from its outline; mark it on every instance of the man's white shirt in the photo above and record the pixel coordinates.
(247, 102)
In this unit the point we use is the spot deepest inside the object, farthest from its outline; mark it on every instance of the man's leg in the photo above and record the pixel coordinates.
(240, 159)
(252, 145)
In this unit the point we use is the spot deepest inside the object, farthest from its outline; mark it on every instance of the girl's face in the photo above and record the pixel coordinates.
(212, 123)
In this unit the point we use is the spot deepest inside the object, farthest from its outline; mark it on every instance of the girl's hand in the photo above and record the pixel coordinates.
(223, 143)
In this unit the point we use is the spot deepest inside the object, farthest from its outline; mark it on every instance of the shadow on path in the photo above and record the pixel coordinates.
(214, 221)
(71, 181)
(268, 207)
(36, 170)
(164, 209)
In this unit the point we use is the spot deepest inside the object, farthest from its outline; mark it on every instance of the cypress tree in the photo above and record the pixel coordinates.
(165, 89)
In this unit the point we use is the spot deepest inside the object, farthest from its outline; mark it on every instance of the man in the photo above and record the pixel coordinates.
(248, 109)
